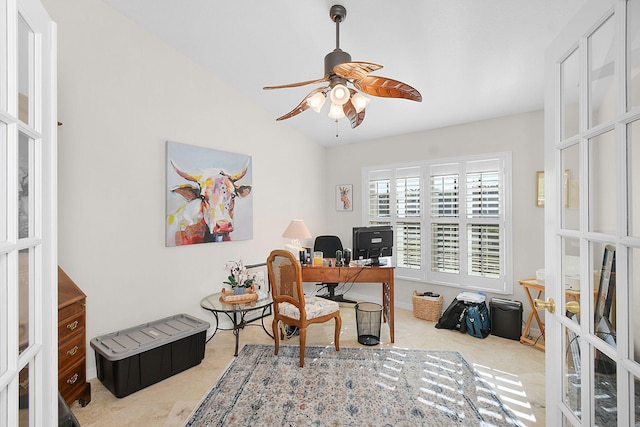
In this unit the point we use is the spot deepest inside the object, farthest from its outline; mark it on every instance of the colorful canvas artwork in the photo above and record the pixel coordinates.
(208, 195)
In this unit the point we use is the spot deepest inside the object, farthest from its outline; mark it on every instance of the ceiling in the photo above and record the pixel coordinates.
(471, 60)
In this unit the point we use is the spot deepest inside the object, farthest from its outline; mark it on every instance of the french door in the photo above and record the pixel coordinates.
(592, 216)
(28, 263)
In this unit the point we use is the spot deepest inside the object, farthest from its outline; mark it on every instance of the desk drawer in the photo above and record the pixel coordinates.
(73, 380)
(70, 310)
(71, 351)
(71, 326)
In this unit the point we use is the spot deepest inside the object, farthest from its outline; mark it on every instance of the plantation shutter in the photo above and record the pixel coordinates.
(408, 229)
(483, 215)
(408, 245)
(379, 196)
(445, 210)
(484, 250)
(451, 219)
(445, 248)
(483, 194)
(444, 196)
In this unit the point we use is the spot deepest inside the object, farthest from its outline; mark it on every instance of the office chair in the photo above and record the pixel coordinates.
(329, 245)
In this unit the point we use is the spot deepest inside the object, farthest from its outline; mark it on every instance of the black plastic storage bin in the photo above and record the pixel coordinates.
(135, 358)
(506, 318)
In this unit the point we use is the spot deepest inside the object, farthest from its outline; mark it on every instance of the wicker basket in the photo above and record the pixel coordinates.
(230, 298)
(427, 308)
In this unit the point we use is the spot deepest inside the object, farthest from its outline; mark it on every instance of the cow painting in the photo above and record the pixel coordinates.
(208, 200)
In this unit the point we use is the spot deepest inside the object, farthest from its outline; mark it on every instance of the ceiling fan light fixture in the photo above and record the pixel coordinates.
(336, 112)
(359, 101)
(340, 70)
(339, 94)
(316, 102)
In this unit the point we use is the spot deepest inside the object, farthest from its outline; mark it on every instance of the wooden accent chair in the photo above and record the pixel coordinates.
(290, 304)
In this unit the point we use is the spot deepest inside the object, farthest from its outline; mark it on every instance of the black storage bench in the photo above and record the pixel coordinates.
(135, 358)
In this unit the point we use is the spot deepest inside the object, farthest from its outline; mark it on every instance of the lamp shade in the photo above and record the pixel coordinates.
(339, 94)
(359, 102)
(297, 230)
(316, 102)
(336, 111)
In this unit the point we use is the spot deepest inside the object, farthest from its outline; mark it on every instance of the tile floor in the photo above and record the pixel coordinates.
(516, 371)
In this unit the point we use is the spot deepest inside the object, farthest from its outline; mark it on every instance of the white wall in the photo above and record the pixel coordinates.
(520, 134)
(122, 94)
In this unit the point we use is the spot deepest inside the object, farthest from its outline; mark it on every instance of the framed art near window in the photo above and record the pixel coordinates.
(344, 195)
(540, 189)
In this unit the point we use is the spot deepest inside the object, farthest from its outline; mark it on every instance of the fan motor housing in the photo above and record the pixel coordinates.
(334, 58)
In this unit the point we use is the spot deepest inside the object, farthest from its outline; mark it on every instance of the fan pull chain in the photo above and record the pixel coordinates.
(337, 129)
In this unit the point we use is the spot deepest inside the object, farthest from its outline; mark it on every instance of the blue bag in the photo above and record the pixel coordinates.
(478, 322)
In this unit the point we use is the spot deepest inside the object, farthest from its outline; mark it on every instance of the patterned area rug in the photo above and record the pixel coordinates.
(352, 387)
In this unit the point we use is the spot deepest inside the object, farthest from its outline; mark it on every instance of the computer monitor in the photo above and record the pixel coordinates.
(372, 243)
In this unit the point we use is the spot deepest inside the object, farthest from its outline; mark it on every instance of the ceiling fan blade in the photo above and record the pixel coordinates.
(308, 82)
(354, 117)
(355, 70)
(303, 104)
(387, 88)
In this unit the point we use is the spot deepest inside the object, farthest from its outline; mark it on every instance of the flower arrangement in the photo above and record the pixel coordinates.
(238, 277)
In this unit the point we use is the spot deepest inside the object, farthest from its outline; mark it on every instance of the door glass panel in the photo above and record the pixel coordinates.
(3, 64)
(24, 172)
(570, 92)
(23, 397)
(605, 391)
(25, 48)
(634, 281)
(3, 188)
(635, 399)
(602, 183)
(24, 287)
(601, 74)
(572, 371)
(633, 54)
(570, 158)
(571, 276)
(633, 178)
(604, 317)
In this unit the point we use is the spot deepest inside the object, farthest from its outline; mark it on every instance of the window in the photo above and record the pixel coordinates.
(451, 219)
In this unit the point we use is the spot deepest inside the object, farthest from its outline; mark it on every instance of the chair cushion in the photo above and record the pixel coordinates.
(314, 306)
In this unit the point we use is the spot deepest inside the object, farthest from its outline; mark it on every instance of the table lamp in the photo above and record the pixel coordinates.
(295, 231)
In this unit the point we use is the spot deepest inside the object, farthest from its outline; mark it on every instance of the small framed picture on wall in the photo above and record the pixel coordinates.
(344, 194)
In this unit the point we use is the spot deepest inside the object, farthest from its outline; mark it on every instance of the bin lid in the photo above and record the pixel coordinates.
(138, 339)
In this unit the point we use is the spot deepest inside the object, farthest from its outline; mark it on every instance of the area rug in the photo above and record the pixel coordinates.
(353, 387)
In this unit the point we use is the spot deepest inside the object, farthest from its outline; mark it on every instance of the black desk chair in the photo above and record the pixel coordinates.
(329, 245)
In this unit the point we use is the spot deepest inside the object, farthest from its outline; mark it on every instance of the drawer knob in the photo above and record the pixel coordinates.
(71, 326)
(73, 379)
(73, 351)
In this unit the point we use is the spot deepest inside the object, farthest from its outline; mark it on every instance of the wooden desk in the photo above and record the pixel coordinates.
(532, 284)
(383, 275)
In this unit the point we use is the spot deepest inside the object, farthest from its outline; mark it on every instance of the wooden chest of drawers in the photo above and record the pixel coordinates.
(72, 346)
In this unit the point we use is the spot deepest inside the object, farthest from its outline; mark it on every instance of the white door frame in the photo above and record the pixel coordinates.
(39, 127)
(575, 36)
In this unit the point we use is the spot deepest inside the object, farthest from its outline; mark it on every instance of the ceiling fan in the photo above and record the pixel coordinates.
(340, 70)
